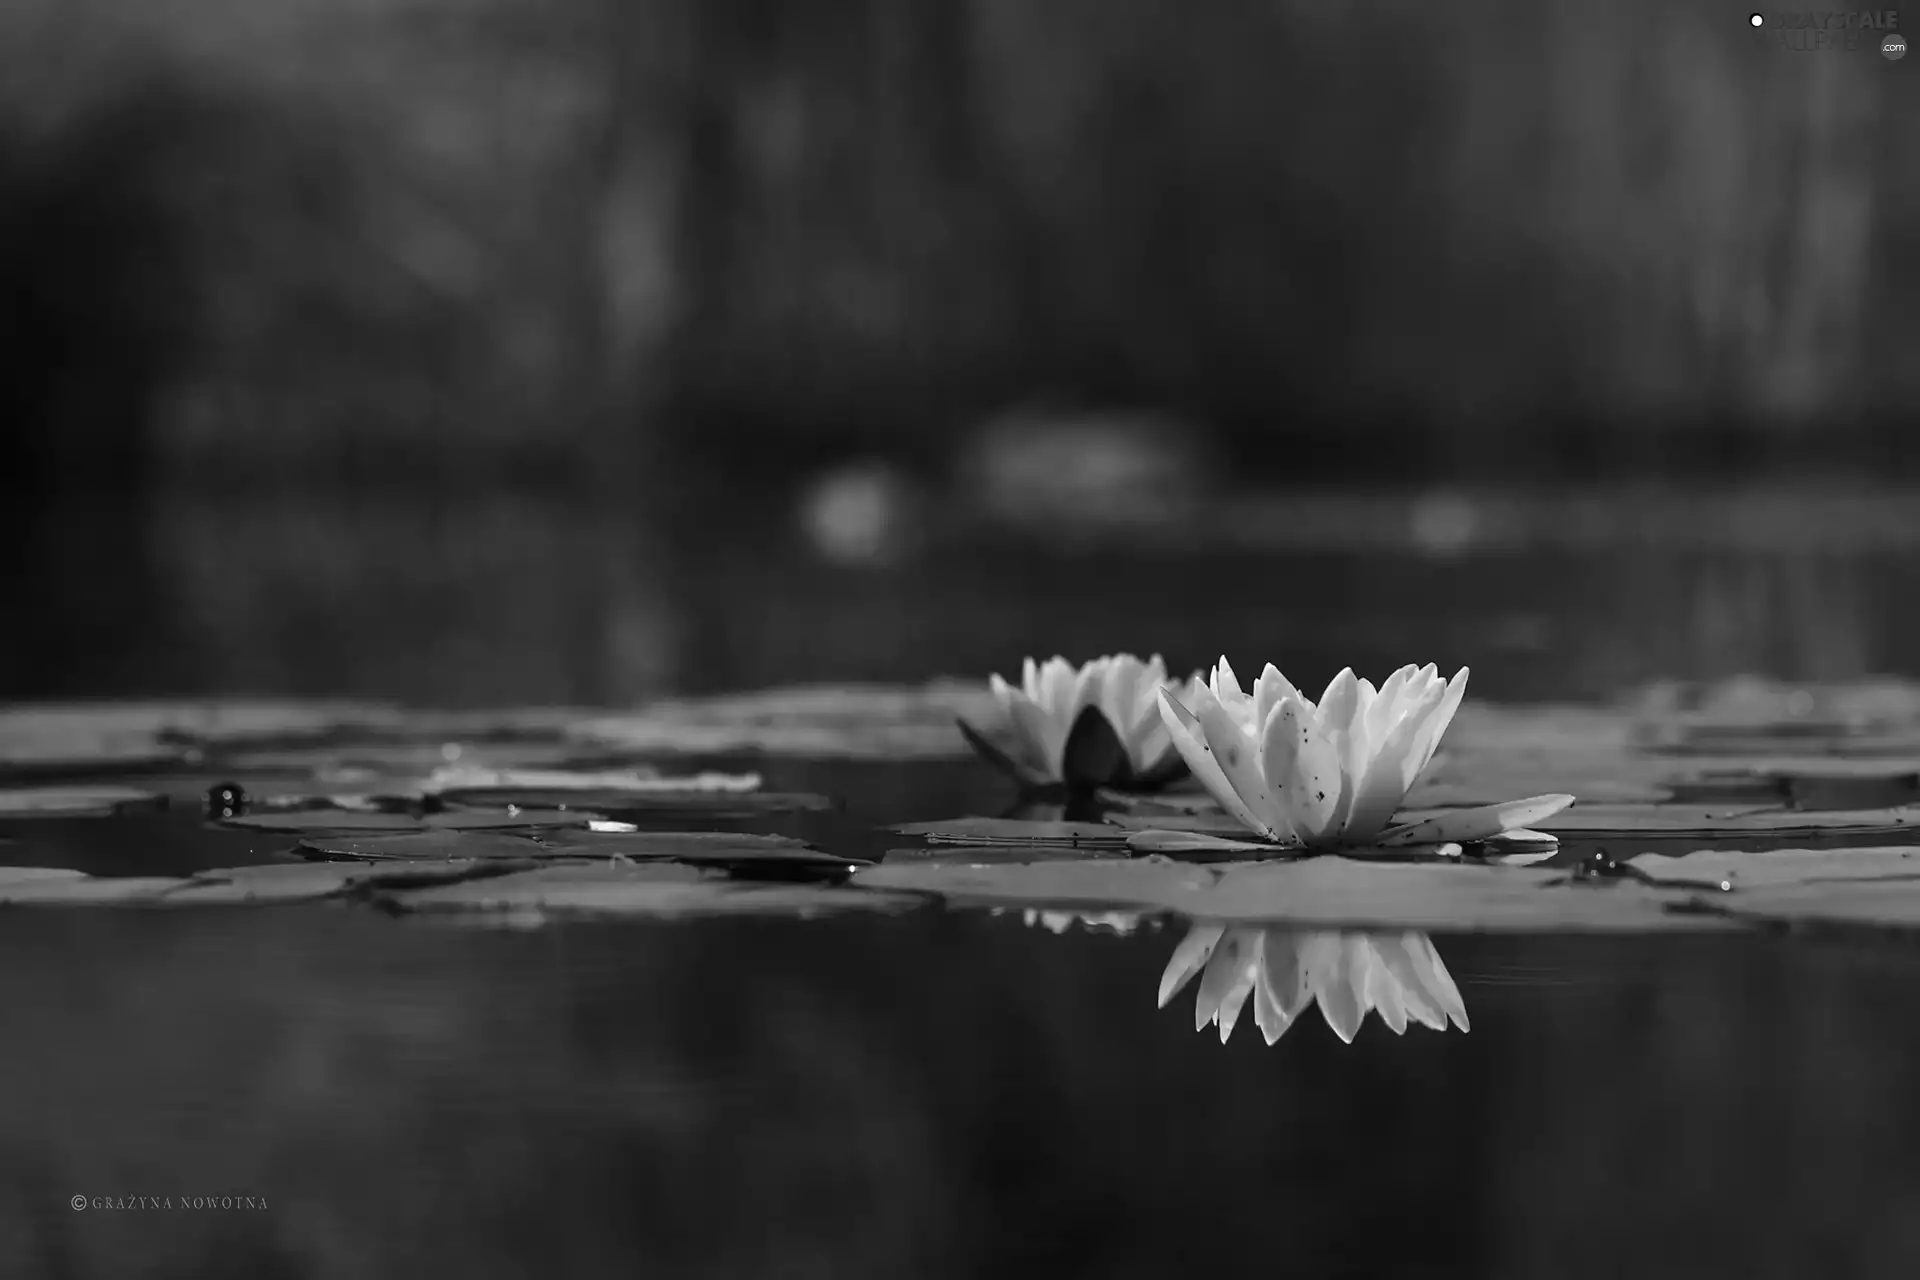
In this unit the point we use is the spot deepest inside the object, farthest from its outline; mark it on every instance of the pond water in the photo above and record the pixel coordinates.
(669, 991)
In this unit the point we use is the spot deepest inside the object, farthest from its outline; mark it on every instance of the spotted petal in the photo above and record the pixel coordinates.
(1482, 822)
(1190, 740)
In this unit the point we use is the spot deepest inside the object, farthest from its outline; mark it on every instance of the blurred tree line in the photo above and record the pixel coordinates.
(655, 255)
(417, 237)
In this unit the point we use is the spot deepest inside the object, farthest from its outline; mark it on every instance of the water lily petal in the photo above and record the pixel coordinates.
(1303, 768)
(1188, 959)
(1337, 703)
(1238, 754)
(1003, 693)
(1030, 678)
(1383, 783)
(1190, 739)
(1388, 705)
(1058, 682)
(1478, 823)
(1428, 740)
(1015, 765)
(1042, 739)
(1225, 686)
(1158, 841)
(1270, 691)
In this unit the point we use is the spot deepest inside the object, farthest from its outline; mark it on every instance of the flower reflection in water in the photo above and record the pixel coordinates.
(1397, 975)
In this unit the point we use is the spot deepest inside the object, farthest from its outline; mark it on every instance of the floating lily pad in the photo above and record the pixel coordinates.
(413, 846)
(711, 804)
(1014, 831)
(83, 890)
(719, 848)
(321, 820)
(305, 881)
(1738, 872)
(654, 889)
(1323, 892)
(74, 802)
(10, 876)
(1707, 821)
(975, 854)
(643, 779)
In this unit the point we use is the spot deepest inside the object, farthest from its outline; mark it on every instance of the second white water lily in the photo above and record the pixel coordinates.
(1332, 772)
(1094, 725)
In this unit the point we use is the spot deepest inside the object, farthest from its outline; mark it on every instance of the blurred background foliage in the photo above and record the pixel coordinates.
(670, 257)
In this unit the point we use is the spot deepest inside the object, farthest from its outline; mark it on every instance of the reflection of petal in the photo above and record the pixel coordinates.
(1397, 957)
(1249, 950)
(1227, 978)
(1438, 982)
(1188, 959)
(1398, 975)
(1282, 991)
(1379, 990)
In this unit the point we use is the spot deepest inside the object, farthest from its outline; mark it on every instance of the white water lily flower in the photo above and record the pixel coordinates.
(1397, 975)
(1332, 772)
(1095, 725)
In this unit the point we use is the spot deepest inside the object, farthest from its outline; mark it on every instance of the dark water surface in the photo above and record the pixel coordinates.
(937, 1093)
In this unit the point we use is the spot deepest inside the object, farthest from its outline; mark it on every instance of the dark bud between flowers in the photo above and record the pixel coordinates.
(1094, 755)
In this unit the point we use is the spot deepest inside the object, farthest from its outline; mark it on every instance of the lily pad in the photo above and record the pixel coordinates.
(1707, 821)
(416, 846)
(711, 804)
(977, 854)
(306, 881)
(83, 890)
(717, 848)
(644, 779)
(654, 889)
(1014, 831)
(10, 876)
(1323, 892)
(301, 821)
(1774, 868)
(1870, 887)
(74, 802)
